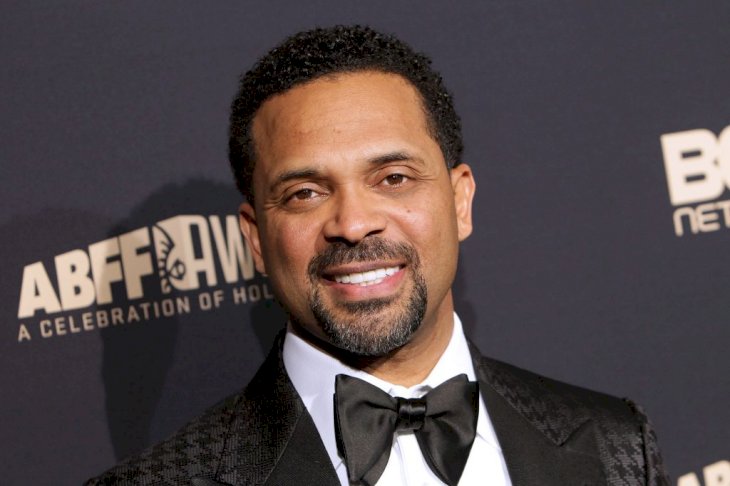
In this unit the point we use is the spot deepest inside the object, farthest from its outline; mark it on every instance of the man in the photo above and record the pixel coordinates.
(348, 150)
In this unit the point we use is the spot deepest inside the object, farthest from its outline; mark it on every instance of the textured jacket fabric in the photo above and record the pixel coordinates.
(551, 433)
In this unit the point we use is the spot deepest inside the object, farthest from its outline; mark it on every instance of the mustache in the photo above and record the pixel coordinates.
(369, 249)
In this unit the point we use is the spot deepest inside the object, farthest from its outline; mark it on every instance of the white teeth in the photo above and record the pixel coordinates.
(370, 277)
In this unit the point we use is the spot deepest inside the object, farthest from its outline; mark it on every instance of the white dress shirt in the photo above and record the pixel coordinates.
(313, 374)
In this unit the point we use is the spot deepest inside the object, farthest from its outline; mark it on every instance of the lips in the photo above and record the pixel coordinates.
(370, 277)
(373, 268)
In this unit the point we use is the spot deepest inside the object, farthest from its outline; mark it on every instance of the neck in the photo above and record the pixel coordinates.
(412, 363)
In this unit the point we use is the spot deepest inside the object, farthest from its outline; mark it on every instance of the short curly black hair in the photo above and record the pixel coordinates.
(312, 54)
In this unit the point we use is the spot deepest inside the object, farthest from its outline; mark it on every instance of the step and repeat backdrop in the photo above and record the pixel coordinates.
(599, 134)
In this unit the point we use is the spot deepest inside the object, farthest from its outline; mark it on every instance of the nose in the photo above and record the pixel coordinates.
(354, 214)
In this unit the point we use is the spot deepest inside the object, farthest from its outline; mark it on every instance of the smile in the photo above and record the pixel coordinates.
(371, 277)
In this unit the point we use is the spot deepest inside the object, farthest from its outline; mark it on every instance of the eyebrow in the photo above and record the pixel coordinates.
(295, 174)
(391, 157)
(308, 173)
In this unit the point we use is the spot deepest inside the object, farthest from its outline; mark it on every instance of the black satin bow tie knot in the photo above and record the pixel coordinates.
(443, 421)
(411, 413)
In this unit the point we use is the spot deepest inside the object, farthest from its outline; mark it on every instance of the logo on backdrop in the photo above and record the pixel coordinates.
(717, 474)
(697, 164)
(150, 273)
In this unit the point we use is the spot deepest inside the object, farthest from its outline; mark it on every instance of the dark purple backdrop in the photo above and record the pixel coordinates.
(115, 118)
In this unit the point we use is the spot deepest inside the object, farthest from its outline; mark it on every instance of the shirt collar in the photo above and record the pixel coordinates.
(312, 372)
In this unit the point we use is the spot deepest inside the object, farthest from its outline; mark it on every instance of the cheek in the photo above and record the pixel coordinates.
(289, 250)
(432, 230)
(430, 220)
(287, 256)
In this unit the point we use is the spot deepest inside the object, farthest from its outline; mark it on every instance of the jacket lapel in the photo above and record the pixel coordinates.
(304, 460)
(273, 439)
(545, 438)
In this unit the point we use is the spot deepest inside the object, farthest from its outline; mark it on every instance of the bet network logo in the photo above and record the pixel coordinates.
(150, 272)
(697, 164)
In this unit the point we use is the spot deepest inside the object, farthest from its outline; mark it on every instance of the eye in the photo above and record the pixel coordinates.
(303, 194)
(394, 180)
(302, 197)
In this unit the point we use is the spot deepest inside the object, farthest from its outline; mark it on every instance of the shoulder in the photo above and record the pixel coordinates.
(623, 434)
(212, 443)
(532, 392)
(194, 450)
(529, 390)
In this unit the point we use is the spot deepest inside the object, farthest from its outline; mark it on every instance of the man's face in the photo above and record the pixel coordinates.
(356, 217)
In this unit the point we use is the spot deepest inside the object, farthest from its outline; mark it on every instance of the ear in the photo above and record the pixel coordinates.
(250, 230)
(462, 181)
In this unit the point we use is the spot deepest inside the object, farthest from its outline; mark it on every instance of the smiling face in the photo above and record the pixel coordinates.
(356, 217)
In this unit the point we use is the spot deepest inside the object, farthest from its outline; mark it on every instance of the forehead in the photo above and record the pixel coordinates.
(344, 112)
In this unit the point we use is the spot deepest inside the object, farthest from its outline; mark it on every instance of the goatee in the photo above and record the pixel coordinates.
(375, 327)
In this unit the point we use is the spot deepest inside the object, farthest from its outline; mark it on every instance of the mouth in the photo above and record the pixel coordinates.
(369, 277)
(374, 269)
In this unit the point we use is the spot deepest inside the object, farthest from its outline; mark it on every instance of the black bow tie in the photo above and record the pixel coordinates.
(444, 422)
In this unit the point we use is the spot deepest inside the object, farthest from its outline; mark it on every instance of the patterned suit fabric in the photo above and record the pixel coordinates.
(550, 433)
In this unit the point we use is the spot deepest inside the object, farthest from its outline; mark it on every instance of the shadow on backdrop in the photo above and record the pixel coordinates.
(463, 307)
(50, 382)
(157, 372)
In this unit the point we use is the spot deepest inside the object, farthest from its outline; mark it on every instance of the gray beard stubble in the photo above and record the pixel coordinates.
(360, 334)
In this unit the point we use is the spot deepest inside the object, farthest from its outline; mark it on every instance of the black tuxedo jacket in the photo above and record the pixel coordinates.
(551, 433)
